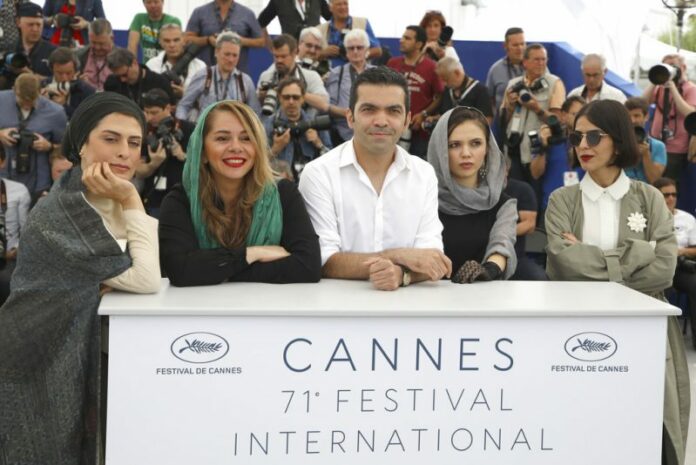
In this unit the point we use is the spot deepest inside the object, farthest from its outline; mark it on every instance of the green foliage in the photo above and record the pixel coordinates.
(688, 37)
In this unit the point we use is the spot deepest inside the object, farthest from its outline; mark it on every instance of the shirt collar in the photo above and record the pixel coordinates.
(401, 159)
(594, 191)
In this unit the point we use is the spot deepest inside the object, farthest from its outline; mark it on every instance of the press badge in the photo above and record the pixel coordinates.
(570, 178)
(161, 184)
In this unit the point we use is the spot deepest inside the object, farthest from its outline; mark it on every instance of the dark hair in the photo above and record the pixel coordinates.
(431, 16)
(570, 101)
(462, 114)
(380, 76)
(119, 57)
(62, 56)
(612, 117)
(513, 31)
(100, 26)
(155, 98)
(637, 103)
(285, 39)
(664, 182)
(531, 47)
(420, 34)
(289, 81)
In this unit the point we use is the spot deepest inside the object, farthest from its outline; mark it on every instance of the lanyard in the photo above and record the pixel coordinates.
(226, 87)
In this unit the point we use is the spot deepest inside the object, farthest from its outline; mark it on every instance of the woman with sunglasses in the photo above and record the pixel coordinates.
(230, 220)
(611, 228)
(479, 220)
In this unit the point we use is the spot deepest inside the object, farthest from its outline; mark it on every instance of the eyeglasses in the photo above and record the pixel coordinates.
(355, 48)
(670, 194)
(289, 97)
(594, 137)
(312, 46)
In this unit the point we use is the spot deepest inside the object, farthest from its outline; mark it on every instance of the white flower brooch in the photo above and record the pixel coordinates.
(637, 222)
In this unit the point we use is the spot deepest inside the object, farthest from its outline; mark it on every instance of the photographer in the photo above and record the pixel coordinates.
(676, 98)
(164, 143)
(335, 30)
(439, 37)
(15, 202)
(285, 65)
(294, 16)
(309, 51)
(145, 28)
(65, 89)
(223, 81)
(594, 69)
(175, 57)
(529, 100)
(685, 232)
(461, 91)
(653, 154)
(92, 58)
(131, 79)
(553, 164)
(70, 19)
(31, 126)
(290, 131)
(30, 24)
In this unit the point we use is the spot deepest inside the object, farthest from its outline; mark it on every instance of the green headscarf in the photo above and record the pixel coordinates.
(267, 214)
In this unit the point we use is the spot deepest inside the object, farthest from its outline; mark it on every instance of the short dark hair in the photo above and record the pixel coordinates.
(380, 76)
(62, 56)
(570, 101)
(155, 98)
(289, 81)
(612, 117)
(637, 103)
(513, 31)
(119, 57)
(463, 114)
(285, 39)
(531, 47)
(664, 182)
(420, 34)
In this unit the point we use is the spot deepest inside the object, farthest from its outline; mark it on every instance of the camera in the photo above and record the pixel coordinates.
(54, 88)
(24, 139)
(662, 73)
(182, 64)
(167, 132)
(320, 123)
(308, 63)
(535, 145)
(341, 46)
(428, 125)
(525, 93)
(64, 22)
(270, 103)
(557, 136)
(641, 135)
(690, 124)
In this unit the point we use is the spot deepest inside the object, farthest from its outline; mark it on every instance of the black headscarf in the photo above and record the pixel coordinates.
(88, 115)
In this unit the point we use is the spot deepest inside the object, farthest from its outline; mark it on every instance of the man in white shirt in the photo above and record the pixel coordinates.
(594, 68)
(373, 205)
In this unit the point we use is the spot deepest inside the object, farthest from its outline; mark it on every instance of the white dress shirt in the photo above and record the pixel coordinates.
(606, 92)
(684, 228)
(350, 216)
(602, 207)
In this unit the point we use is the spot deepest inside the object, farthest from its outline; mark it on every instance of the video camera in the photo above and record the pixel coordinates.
(24, 139)
(525, 93)
(167, 132)
(182, 64)
(320, 123)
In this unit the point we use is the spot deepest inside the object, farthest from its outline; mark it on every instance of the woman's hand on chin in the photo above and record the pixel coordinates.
(100, 180)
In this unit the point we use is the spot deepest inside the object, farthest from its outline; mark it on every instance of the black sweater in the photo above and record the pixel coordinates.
(186, 264)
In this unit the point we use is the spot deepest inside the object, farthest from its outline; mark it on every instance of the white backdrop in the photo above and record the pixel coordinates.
(611, 28)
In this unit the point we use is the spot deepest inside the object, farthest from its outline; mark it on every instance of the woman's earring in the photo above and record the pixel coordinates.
(483, 172)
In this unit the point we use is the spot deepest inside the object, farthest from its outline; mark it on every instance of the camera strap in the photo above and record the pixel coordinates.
(3, 196)
(666, 110)
(226, 88)
(467, 86)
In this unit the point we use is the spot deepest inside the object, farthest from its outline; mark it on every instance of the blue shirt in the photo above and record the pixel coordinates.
(557, 163)
(658, 154)
(206, 20)
(338, 85)
(336, 39)
(197, 97)
(49, 120)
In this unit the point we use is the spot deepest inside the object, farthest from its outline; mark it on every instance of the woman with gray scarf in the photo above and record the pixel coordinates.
(479, 219)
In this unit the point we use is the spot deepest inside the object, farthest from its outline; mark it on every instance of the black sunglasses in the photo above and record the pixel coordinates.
(594, 137)
(670, 194)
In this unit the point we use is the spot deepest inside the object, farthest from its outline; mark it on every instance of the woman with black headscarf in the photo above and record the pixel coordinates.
(479, 220)
(90, 231)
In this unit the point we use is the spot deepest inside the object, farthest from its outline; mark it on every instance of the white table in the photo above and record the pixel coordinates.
(338, 373)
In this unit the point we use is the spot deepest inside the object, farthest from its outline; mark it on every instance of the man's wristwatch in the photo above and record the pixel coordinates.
(406, 276)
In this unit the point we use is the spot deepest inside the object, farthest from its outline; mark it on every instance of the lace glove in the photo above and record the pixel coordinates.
(472, 271)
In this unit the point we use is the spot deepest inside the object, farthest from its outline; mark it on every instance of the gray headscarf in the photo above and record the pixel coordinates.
(453, 198)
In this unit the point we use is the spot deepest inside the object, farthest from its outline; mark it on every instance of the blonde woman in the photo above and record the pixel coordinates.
(230, 220)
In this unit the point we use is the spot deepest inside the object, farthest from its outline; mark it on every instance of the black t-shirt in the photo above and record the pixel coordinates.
(526, 201)
(477, 97)
(38, 57)
(148, 81)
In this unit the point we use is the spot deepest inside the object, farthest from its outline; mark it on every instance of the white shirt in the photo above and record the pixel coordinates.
(159, 65)
(684, 228)
(606, 92)
(349, 216)
(602, 208)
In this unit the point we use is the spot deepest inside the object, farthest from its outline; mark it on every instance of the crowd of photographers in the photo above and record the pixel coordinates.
(55, 56)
